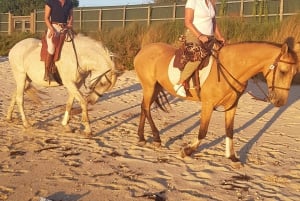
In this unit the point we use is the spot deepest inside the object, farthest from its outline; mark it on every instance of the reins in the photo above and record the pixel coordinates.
(261, 90)
(70, 38)
(222, 70)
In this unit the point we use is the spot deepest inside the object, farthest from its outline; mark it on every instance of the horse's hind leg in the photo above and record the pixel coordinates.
(11, 106)
(149, 96)
(22, 84)
(141, 135)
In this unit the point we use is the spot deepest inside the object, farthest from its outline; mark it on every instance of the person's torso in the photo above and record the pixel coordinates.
(59, 13)
(203, 15)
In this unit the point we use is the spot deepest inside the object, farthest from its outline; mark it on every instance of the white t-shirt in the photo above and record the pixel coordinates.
(203, 15)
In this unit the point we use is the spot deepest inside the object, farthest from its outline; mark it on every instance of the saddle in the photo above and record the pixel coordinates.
(58, 43)
(190, 52)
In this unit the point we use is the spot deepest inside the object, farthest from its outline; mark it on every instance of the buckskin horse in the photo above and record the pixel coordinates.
(80, 58)
(226, 82)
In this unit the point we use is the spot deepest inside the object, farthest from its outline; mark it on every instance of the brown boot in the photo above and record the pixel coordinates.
(48, 67)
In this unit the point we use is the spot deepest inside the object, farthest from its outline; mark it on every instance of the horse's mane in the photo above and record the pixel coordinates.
(259, 42)
(90, 46)
(287, 41)
(85, 41)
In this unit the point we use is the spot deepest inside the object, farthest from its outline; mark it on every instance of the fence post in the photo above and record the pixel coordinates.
(32, 21)
(174, 11)
(281, 10)
(148, 16)
(124, 17)
(9, 31)
(100, 20)
(242, 8)
(80, 19)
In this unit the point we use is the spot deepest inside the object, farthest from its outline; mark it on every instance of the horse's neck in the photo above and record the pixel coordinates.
(248, 60)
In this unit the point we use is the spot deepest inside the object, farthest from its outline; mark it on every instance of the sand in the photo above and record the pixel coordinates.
(45, 162)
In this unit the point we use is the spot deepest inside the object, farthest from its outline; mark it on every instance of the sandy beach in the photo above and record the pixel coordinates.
(45, 162)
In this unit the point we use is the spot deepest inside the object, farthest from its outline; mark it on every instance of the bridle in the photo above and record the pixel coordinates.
(97, 80)
(272, 69)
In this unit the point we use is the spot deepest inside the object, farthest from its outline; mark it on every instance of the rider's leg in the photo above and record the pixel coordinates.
(49, 57)
(189, 68)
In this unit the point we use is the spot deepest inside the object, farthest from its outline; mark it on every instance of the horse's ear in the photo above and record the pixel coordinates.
(297, 48)
(284, 49)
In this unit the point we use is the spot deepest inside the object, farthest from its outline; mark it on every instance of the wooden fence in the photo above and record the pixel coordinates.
(94, 19)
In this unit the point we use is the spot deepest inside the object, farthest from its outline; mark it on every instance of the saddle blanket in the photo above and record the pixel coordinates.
(174, 73)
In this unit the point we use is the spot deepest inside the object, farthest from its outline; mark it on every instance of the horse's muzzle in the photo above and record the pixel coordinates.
(276, 99)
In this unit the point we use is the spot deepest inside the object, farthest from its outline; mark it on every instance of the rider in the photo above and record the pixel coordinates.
(201, 24)
(58, 15)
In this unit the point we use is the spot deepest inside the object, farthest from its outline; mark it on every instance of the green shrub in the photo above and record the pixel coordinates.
(8, 41)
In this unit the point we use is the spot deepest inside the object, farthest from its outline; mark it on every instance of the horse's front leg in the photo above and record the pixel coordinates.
(229, 124)
(85, 118)
(205, 119)
(66, 118)
(73, 90)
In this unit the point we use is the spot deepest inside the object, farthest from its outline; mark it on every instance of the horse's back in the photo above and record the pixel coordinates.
(154, 51)
(152, 56)
(20, 50)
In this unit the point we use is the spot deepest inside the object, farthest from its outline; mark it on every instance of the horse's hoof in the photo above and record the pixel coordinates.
(236, 165)
(88, 134)
(141, 143)
(68, 129)
(27, 125)
(186, 151)
(156, 144)
(235, 162)
(9, 120)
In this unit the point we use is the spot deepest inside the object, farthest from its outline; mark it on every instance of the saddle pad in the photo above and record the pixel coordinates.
(174, 73)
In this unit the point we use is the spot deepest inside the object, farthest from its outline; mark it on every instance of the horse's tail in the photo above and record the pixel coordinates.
(33, 93)
(162, 101)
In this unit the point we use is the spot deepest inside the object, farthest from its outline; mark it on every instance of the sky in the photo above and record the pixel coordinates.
(87, 3)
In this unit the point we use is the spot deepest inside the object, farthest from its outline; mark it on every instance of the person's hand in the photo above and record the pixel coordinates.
(222, 39)
(203, 38)
(69, 26)
(52, 33)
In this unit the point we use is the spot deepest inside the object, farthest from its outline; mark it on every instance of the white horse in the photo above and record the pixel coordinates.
(87, 57)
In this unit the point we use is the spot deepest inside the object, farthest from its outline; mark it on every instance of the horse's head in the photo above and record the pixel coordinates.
(101, 84)
(102, 79)
(280, 74)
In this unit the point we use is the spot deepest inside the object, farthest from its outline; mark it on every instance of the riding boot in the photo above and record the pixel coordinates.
(48, 67)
